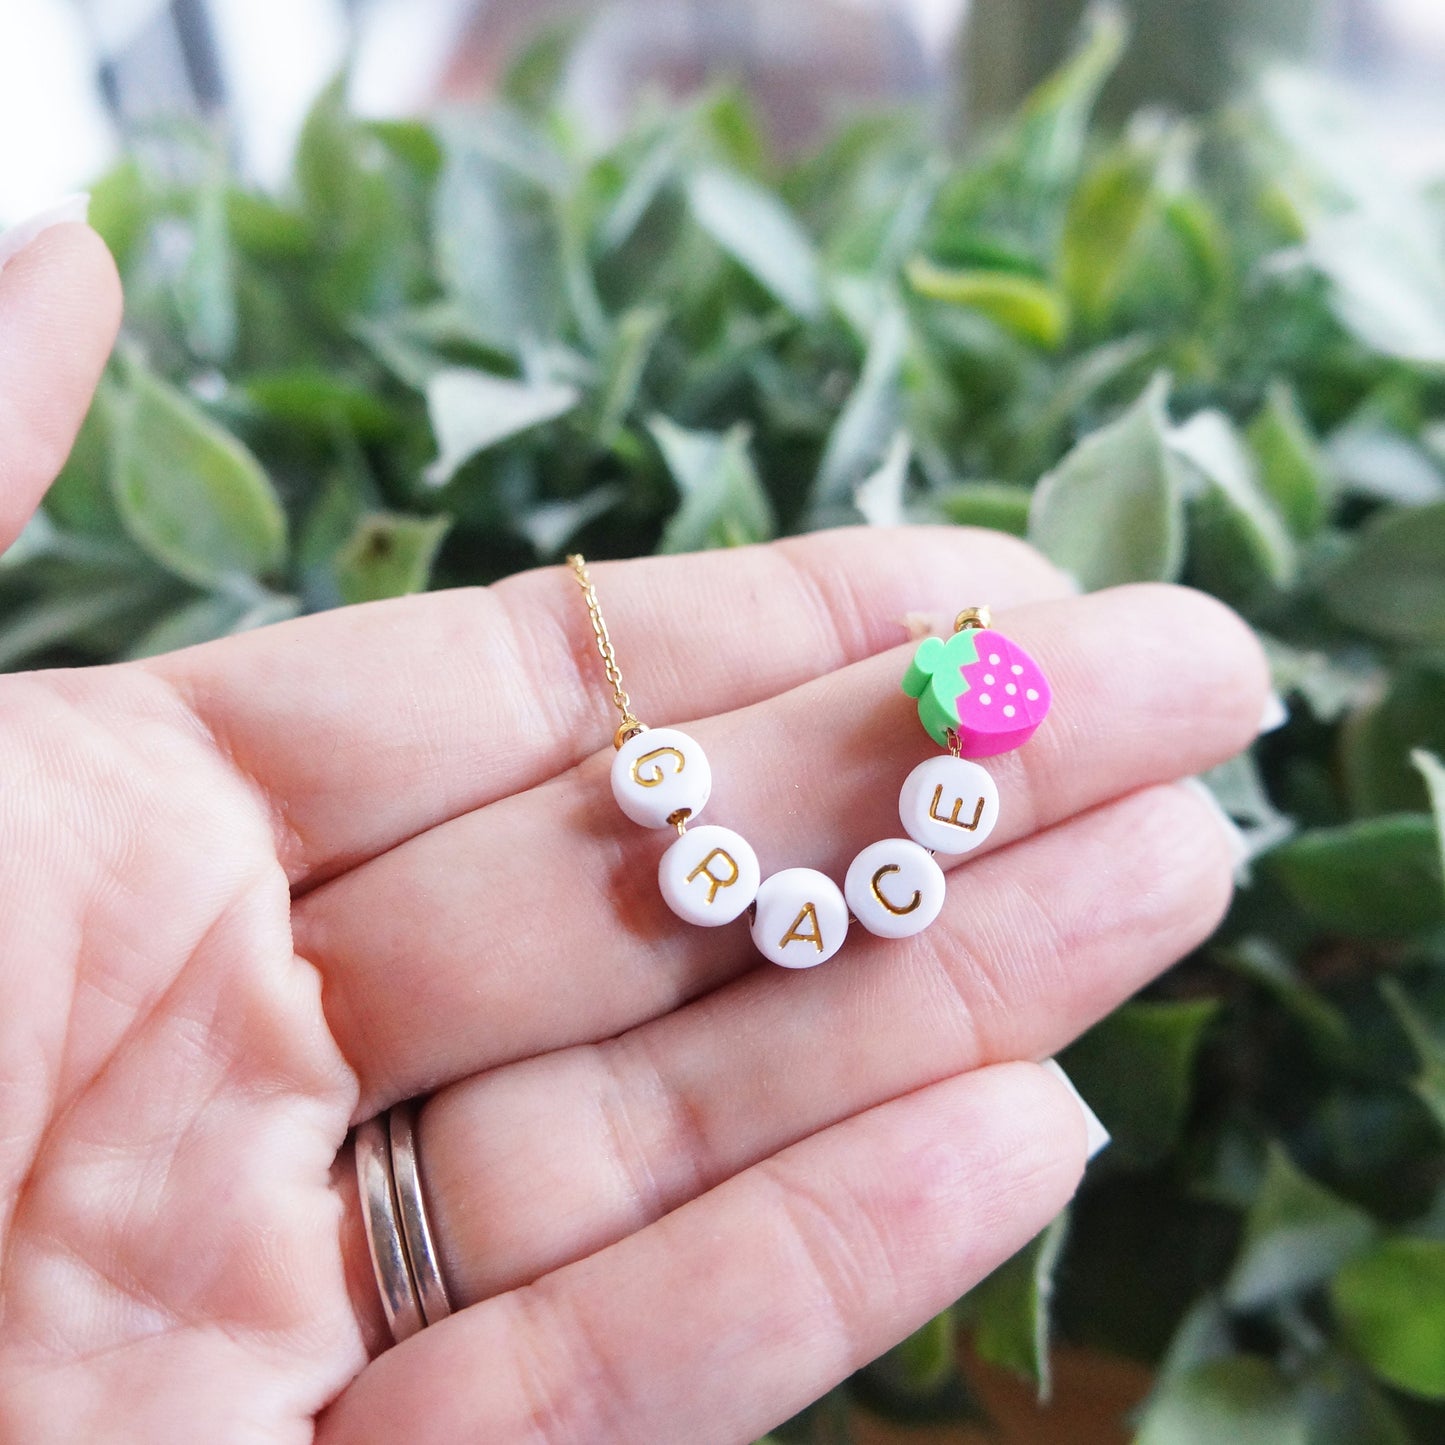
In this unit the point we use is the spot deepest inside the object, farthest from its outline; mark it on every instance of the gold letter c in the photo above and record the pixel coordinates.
(878, 892)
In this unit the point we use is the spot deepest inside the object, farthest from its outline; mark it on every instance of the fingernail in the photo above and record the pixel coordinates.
(1276, 714)
(1238, 847)
(1098, 1135)
(20, 235)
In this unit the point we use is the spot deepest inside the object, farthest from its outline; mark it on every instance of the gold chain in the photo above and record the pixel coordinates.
(630, 726)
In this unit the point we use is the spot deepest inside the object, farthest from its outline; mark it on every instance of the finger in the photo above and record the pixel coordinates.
(59, 313)
(1050, 935)
(734, 1312)
(371, 723)
(537, 922)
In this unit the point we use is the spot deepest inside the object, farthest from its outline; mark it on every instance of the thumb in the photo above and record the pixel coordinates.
(59, 312)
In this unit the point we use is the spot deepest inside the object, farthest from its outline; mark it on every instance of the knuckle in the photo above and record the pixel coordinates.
(844, 1270)
(657, 1130)
(570, 1389)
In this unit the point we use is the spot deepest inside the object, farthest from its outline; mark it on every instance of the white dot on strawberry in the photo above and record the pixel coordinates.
(1009, 711)
(989, 678)
(1011, 689)
(993, 659)
(1032, 695)
(1017, 670)
(985, 699)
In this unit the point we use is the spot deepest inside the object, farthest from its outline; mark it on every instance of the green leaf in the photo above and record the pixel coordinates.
(1052, 127)
(1136, 1069)
(265, 228)
(1376, 742)
(1296, 1237)
(534, 78)
(365, 204)
(870, 418)
(1260, 961)
(39, 537)
(1386, 283)
(1433, 771)
(1204, 1336)
(471, 411)
(1376, 876)
(1392, 581)
(80, 499)
(1327, 142)
(986, 504)
(315, 400)
(1243, 1400)
(207, 284)
(1106, 216)
(928, 1356)
(1010, 1310)
(189, 493)
(1390, 1305)
(118, 210)
(499, 243)
(1429, 1046)
(879, 498)
(729, 122)
(918, 1381)
(1371, 460)
(67, 619)
(388, 555)
(754, 227)
(1343, 1407)
(723, 502)
(1029, 309)
(1331, 685)
(1200, 231)
(1240, 790)
(1209, 442)
(1112, 511)
(207, 618)
(1292, 466)
(646, 182)
(632, 345)
(550, 526)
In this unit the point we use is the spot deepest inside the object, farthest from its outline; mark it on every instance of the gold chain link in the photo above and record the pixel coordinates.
(630, 726)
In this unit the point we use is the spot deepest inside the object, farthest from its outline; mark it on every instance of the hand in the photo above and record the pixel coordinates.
(258, 890)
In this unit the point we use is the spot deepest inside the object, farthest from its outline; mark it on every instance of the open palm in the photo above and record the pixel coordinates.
(255, 891)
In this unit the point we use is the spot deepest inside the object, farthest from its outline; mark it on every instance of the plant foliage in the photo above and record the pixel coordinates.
(450, 350)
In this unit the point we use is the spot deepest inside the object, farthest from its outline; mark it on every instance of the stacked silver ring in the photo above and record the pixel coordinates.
(398, 1233)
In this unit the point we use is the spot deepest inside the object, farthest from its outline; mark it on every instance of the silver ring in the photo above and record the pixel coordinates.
(383, 1237)
(416, 1232)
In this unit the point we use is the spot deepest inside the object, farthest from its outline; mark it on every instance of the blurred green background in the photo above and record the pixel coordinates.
(1167, 313)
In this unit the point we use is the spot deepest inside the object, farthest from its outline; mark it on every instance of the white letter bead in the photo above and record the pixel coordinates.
(949, 805)
(894, 888)
(709, 876)
(801, 918)
(658, 774)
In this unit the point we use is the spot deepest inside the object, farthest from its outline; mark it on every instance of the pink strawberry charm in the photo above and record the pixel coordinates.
(981, 687)
(1005, 697)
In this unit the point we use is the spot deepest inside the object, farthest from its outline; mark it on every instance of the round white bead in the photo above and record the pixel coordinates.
(709, 876)
(894, 888)
(658, 774)
(801, 918)
(948, 805)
